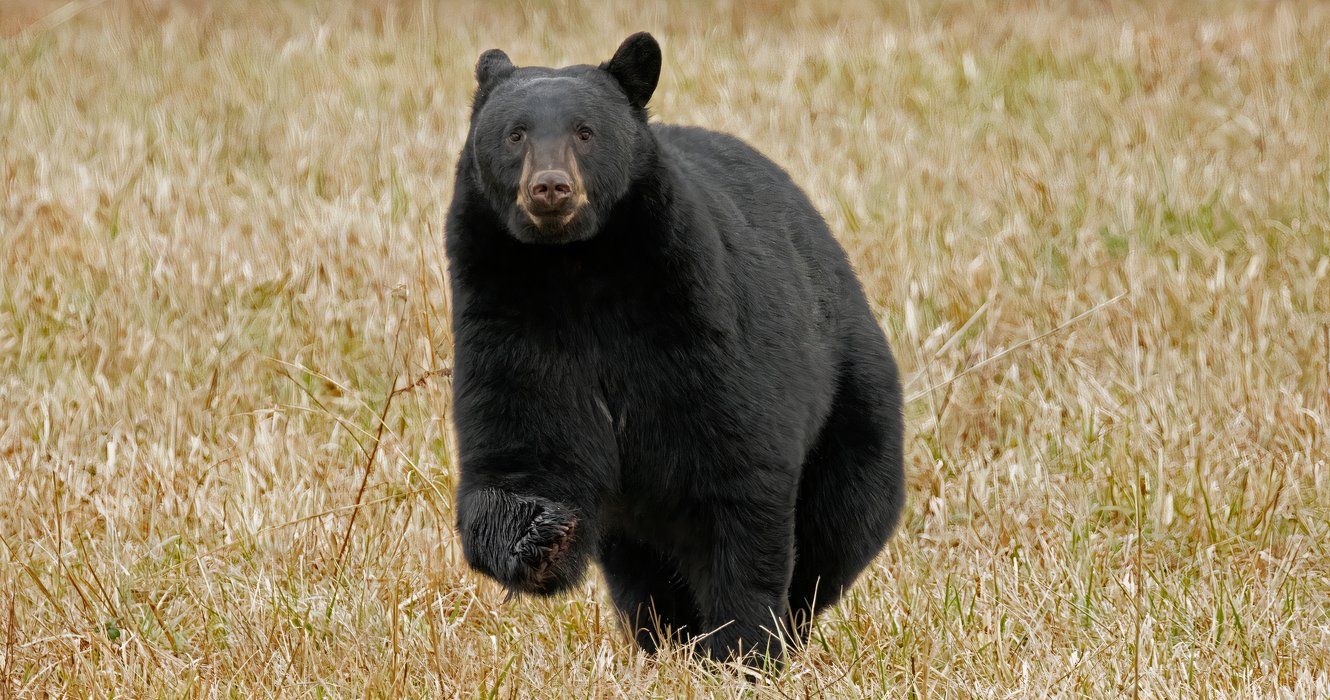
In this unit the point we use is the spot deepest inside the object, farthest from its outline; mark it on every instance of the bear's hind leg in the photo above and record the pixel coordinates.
(852, 488)
(654, 602)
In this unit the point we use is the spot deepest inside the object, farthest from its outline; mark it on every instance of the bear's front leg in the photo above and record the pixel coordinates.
(746, 582)
(520, 541)
(535, 455)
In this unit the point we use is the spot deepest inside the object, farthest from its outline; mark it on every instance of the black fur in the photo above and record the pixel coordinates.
(685, 384)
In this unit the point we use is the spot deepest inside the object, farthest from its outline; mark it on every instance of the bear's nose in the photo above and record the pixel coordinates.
(551, 189)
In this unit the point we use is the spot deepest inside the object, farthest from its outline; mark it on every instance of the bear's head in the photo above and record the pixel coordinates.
(554, 149)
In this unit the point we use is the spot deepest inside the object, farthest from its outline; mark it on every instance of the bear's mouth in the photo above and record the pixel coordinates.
(575, 223)
(552, 221)
(550, 218)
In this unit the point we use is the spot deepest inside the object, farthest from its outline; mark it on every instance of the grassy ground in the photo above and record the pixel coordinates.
(220, 251)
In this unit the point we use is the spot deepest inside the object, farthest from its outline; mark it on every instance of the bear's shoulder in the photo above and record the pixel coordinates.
(696, 141)
(723, 162)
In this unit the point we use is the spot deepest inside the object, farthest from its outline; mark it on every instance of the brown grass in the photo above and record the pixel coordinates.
(221, 228)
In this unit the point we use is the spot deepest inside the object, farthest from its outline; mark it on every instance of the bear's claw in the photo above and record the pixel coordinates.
(544, 544)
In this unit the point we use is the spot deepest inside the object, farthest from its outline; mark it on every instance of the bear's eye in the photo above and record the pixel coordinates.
(516, 136)
(584, 134)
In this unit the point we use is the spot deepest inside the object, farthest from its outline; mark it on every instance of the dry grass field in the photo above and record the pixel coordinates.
(1097, 235)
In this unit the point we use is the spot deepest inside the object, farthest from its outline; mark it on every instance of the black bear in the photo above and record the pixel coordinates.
(663, 363)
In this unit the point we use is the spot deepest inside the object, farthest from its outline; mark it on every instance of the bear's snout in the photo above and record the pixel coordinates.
(550, 192)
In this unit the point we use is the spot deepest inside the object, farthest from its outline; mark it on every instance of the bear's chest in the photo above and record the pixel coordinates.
(691, 418)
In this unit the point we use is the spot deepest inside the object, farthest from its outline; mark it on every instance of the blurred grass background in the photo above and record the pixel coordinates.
(220, 253)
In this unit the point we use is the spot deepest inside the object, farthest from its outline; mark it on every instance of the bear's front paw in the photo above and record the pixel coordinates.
(527, 543)
(542, 547)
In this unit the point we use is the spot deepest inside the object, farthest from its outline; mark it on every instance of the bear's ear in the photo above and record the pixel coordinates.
(493, 64)
(636, 65)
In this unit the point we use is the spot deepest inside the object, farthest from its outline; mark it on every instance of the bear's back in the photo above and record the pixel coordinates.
(778, 222)
(718, 163)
